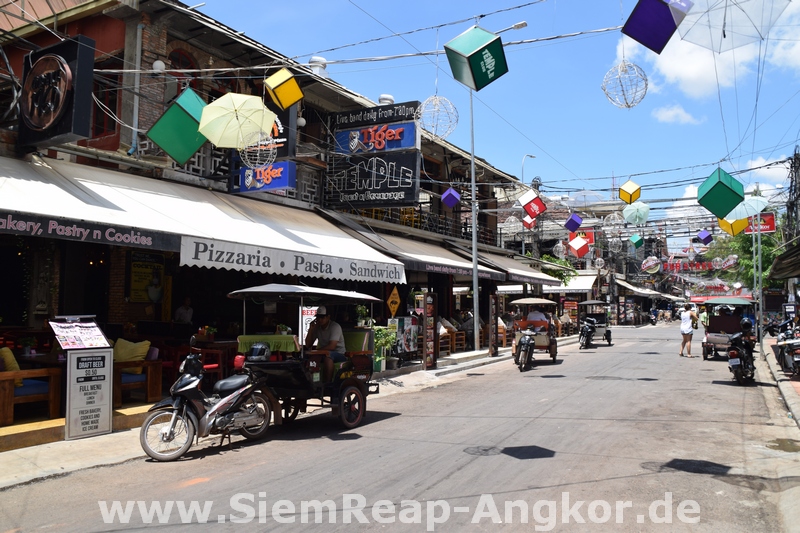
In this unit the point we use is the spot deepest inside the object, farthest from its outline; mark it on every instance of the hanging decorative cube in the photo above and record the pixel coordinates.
(637, 240)
(573, 222)
(284, 89)
(177, 130)
(705, 237)
(579, 247)
(720, 193)
(629, 192)
(652, 22)
(476, 58)
(735, 227)
(528, 222)
(451, 197)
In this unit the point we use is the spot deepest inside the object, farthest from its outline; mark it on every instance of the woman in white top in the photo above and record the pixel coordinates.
(688, 319)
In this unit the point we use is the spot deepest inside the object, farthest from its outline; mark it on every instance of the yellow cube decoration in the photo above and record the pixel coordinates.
(735, 227)
(284, 89)
(629, 192)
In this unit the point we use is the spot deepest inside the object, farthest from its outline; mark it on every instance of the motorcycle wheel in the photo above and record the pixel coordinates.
(553, 353)
(739, 375)
(259, 402)
(352, 406)
(158, 449)
(581, 341)
(290, 411)
(608, 337)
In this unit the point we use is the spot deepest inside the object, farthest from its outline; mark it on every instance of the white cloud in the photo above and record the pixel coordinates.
(777, 174)
(785, 39)
(674, 114)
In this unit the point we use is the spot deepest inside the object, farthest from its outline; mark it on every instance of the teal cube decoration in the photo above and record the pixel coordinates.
(476, 58)
(176, 131)
(637, 240)
(720, 193)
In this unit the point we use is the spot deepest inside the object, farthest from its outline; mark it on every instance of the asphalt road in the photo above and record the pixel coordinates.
(628, 437)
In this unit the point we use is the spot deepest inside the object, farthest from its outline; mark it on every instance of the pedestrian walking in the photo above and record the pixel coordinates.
(688, 325)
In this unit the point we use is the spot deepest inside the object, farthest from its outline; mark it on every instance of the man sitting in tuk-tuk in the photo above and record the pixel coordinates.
(329, 337)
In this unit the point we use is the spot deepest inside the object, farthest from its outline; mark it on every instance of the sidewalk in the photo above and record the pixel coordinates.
(788, 387)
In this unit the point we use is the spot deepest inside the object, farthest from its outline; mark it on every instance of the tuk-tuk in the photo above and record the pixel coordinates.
(543, 332)
(725, 315)
(596, 309)
(296, 381)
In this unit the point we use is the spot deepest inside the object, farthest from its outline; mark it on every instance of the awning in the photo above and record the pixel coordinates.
(425, 257)
(575, 285)
(786, 265)
(56, 199)
(638, 290)
(515, 270)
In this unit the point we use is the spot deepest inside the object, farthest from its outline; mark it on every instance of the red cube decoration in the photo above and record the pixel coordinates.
(637, 240)
(705, 237)
(528, 222)
(532, 204)
(579, 246)
(451, 197)
(573, 223)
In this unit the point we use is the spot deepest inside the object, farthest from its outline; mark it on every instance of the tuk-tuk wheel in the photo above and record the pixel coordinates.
(289, 411)
(352, 406)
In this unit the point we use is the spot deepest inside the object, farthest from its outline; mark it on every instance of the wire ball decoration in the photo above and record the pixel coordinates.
(625, 85)
(438, 116)
(615, 245)
(258, 150)
(599, 263)
(613, 224)
(716, 263)
(559, 250)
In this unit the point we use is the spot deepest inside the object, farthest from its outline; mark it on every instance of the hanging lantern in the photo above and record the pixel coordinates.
(559, 250)
(720, 193)
(573, 222)
(615, 245)
(451, 197)
(528, 222)
(625, 85)
(637, 240)
(733, 228)
(716, 263)
(629, 192)
(532, 204)
(284, 89)
(599, 263)
(705, 237)
(579, 247)
(438, 116)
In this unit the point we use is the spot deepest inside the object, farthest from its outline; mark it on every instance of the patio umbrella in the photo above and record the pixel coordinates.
(749, 207)
(722, 25)
(636, 213)
(229, 121)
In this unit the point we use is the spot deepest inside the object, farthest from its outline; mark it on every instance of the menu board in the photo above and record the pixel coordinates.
(77, 335)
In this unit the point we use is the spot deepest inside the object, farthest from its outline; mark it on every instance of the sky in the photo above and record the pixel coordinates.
(735, 110)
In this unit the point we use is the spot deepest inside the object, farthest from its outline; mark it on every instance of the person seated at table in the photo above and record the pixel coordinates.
(329, 336)
(536, 314)
(467, 327)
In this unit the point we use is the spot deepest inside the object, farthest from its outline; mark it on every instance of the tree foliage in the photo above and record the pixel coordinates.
(741, 245)
(564, 276)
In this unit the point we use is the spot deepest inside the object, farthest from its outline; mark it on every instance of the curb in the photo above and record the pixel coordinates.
(789, 395)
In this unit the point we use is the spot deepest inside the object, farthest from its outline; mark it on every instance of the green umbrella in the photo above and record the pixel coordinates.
(636, 213)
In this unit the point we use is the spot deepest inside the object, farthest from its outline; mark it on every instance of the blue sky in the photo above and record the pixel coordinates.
(739, 109)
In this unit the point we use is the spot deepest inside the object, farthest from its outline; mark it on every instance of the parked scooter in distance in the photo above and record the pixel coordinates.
(236, 403)
(740, 353)
(587, 333)
(523, 356)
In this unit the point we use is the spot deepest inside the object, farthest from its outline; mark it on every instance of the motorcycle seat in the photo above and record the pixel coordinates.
(225, 386)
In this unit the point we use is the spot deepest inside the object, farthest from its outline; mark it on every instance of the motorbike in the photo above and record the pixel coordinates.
(740, 353)
(789, 351)
(523, 357)
(653, 319)
(236, 403)
(586, 334)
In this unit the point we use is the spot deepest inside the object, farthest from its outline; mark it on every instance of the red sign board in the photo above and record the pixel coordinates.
(767, 224)
(585, 234)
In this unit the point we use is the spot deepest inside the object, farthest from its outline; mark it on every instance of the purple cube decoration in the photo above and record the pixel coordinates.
(451, 197)
(705, 237)
(573, 223)
(652, 22)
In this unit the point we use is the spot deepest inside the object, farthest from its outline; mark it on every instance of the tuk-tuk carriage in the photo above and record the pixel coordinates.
(596, 309)
(725, 315)
(543, 332)
(295, 382)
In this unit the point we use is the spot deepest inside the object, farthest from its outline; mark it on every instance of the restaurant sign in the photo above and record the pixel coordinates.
(767, 224)
(280, 175)
(383, 114)
(585, 234)
(379, 138)
(71, 230)
(387, 179)
(209, 253)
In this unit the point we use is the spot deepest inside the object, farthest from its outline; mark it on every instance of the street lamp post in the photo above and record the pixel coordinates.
(522, 180)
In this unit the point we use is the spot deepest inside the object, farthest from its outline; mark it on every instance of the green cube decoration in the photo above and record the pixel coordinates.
(637, 240)
(476, 58)
(720, 193)
(176, 132)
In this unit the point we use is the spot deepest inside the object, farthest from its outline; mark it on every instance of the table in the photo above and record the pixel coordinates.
(277, 343)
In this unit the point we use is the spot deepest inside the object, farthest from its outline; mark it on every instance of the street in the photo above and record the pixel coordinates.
(628, 437)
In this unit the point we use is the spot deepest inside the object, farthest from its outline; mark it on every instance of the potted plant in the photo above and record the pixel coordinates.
(28, 343)
(283, 329)
(384, 342)
(363, 314)
(210, 331)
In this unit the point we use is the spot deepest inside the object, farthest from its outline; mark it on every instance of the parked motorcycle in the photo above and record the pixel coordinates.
(789, 350)
(740, 353)
(236, 403)
(586, 334)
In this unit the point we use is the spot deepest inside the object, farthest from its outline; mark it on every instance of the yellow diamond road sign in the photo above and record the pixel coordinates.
(394, 301)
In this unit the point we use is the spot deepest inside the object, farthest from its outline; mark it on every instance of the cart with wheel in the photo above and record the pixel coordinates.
(595, 309)
(542, 332)
(299, 382)
(724, 319)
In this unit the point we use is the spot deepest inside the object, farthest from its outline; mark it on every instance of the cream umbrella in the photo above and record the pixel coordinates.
(232, 119)
(749, 207)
